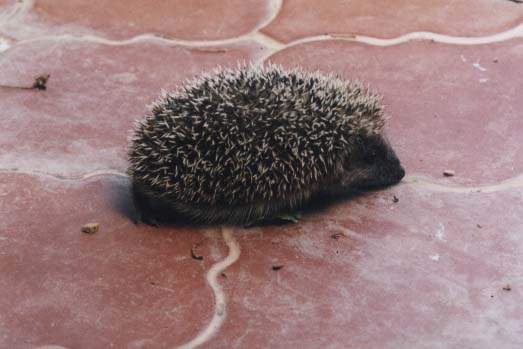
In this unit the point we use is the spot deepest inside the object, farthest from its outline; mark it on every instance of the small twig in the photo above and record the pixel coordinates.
(16, 87)
(40, 83)
(194, 254)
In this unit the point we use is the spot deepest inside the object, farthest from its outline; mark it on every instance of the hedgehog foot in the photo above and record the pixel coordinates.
(152, 221)
(147, 219)
(293, 217)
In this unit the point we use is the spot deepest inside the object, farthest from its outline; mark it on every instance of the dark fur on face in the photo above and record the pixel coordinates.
(375, 165)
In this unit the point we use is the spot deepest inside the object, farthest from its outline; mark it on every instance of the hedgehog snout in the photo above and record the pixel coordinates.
(396, 171)
(391, 170)
(390, 173)
(400, 173)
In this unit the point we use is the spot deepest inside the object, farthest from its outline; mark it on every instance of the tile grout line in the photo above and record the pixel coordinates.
(275, 46)
(415, 180)
(20, 9)
(59, 177)
(220, 307)
(514, 32)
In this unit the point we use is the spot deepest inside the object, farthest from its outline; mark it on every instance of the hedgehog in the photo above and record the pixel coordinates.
(256, 143)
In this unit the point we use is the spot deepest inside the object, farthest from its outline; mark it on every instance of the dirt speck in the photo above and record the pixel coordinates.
(90, 228)
(277, 267)
(449, 173)
(507, 287)
(194, 252)
(40, 82)
(395, 199)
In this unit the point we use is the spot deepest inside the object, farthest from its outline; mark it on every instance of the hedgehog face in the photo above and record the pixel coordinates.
(375, 165)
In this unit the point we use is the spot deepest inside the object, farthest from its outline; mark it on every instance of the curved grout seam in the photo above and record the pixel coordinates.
(20, 9)
(416, 180)
(272, 44)
(274, 10)
(142, 38)
(220, 308)
(59, 177)
(17, 11)
(514, 32)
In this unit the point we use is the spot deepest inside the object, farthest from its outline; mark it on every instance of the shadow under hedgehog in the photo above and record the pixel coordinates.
(251, 144)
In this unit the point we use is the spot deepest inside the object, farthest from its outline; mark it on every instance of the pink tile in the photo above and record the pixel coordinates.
(427, 271)
(124, 286)
(452, 107)
(299, 19)
(82, 121)
(185, 19)
(414, 274)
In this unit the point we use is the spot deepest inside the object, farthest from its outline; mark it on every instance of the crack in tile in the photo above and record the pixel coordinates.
(220, 307)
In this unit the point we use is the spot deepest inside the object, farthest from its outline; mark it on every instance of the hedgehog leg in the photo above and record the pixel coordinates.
(150, 220)
(292, 217)
(144, 216)
(142, 206)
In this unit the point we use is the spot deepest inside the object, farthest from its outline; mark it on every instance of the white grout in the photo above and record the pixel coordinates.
(20, 9)
(80, 177)
(220, 308)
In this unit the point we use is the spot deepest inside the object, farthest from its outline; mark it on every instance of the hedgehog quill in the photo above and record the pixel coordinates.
(247, 145)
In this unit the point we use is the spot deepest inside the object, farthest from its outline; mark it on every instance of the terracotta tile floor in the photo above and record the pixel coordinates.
(440, 268)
